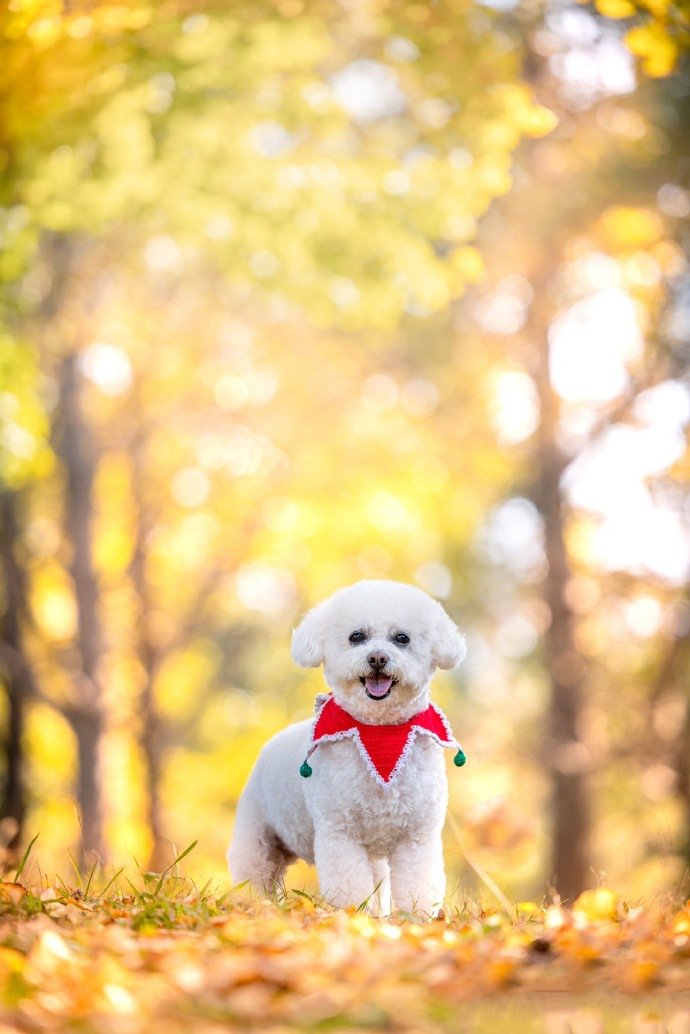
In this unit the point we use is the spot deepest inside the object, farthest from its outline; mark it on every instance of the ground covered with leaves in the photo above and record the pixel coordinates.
(160, 954)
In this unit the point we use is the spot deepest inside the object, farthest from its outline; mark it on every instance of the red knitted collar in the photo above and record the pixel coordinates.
(384, 748)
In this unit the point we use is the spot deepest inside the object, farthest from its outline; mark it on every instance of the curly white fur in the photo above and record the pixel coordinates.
(370, 842)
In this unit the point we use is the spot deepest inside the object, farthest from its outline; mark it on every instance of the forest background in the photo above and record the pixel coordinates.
(294, 293)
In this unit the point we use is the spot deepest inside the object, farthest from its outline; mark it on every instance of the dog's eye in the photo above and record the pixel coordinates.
(357, 637)
(401, 639)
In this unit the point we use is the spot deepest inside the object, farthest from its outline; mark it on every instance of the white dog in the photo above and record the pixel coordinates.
(368, 805)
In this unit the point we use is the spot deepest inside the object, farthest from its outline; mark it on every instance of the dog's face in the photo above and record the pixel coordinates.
(379, 642)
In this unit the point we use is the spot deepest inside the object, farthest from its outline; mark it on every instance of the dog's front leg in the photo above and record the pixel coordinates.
(418, 877)
(381, 902)
(345, 873)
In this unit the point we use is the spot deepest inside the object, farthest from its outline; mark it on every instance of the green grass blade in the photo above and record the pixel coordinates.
(59, 879)
(110, 882)
(172, 865)
(91, 875)
(24, 859)
(78, 874)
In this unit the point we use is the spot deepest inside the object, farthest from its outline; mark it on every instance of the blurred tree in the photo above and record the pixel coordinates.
(17, 673)
(261, 390)
(149, 654)
(320, 158)
(669, 716)
(24, 457)
(75, 447)
(595, 189)
(565, 756)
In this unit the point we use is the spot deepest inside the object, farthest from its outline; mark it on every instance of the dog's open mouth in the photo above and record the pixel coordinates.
(377, 686)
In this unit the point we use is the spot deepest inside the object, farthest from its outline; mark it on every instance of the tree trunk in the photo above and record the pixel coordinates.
(683, 773)
(18, 674)
(151, 730)
(566, 755)
(88, 727)
(151, 747)
(74, 445)
(671, 681)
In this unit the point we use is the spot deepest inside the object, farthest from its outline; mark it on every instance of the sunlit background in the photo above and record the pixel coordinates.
(298, 292)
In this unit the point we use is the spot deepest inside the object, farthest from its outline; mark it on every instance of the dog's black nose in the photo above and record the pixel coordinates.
(378, 660)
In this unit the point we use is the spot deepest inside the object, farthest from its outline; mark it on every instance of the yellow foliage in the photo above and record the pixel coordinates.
(24, 449)
(45, 31)
(224, 210)
(182, 678)
(160, 951)
(53, 603)
(116, 17)
(51, 743)
(630, 228)
(113, 550)
(124, 777)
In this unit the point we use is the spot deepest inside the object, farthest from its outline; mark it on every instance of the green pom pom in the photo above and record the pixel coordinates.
(305, 769)
(459, 759)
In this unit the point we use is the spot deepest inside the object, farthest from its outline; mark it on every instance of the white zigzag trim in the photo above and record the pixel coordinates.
(445, 723)
(452, 742)
(404, 754)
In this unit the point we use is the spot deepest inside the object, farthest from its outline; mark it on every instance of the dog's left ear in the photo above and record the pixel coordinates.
(449, 647)
(307, 638)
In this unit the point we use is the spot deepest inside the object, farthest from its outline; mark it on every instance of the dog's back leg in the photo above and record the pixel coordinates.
(255, 855)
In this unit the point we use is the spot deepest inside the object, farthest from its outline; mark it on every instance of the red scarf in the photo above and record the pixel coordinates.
(384, 748)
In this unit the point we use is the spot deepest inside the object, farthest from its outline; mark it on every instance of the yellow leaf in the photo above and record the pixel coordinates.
(616, 8)
(45, 31)
(592, 906)
(50, 950)
(119, 998)
(53, 604)
(554, 917)
(500, 972)
(656, 7)
(528, 908)
(628, 227)
(468, 262)
(12, 892)
(11, 961)
(655, 47)
(538, 120)
(643, 973)
(681, 923)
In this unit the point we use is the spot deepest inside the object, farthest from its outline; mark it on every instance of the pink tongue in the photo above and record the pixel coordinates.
(378, 685)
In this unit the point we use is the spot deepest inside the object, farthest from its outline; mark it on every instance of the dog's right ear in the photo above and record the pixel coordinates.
(308, 638)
